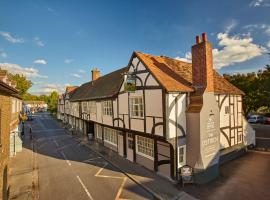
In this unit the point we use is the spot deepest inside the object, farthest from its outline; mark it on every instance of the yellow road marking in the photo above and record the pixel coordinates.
(120, 189)
(117, 177)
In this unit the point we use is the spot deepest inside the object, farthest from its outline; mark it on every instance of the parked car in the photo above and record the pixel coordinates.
(256, 119)
(267, 120)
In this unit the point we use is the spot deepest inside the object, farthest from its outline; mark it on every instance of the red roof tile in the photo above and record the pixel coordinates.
(176, 75)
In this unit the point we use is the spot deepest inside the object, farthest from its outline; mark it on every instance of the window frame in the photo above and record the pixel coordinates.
(148, 146)
(98, 130)
(113, 136)
(181, 164)
(140, 107)
(107, 108)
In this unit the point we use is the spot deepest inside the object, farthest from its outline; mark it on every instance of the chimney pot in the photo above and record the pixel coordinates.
(198, 39)
(204, 38)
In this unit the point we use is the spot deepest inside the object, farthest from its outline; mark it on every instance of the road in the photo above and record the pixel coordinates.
(262, 136)
(68, 170)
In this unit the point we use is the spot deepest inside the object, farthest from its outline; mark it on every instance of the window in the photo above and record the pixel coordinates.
(136, 107)
(181, 156)
(98, 130)
(110, 135)
(227, 109)
(107, 108)
(145, 147)
(92, 107)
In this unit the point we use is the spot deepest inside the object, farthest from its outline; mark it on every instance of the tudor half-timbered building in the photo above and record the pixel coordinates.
(164, 113)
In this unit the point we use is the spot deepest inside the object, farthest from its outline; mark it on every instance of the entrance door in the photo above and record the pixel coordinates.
(130, 147)
(90, 129)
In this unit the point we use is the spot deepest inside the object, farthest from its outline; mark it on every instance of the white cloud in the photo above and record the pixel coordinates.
(29, 72)
(76, 75)
(68, 60)
(47, 88)
(11, 38)
(264, 27)
(38, 41)
(230, 25)
(268, 43)
(187, 57)
(81, 71)
(3, 54)
(235, 49)
(40, 61)
(259, 3)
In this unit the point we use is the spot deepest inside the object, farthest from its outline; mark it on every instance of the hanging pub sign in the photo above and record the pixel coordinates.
(187, 174)
(130, 83)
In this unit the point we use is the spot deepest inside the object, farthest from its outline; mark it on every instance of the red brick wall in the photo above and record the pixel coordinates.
(202, 66)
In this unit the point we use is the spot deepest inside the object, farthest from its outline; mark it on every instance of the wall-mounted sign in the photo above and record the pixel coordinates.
(187, 174)
(130, 83)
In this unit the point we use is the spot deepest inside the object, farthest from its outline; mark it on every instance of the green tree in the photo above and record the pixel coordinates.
(256, 87)
(52, 102)
(23, 84)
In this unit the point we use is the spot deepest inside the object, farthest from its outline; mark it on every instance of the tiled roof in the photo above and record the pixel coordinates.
(176, 75)
(104, 87)
(70, 88)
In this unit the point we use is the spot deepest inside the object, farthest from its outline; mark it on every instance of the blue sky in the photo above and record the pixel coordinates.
(57, 43)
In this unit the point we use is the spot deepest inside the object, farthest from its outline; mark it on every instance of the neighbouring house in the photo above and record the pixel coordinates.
(10, 127)
(34, 106)
(61, 107)
(163, 113)
(63, 110)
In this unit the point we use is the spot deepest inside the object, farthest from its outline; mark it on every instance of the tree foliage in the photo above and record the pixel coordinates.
(23, 84)
(256, 87)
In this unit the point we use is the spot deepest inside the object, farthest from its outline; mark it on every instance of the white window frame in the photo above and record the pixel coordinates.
(107, 108)
(143, 145)
(136, 108)
(110, 136)
(98, 130)
(181, 164)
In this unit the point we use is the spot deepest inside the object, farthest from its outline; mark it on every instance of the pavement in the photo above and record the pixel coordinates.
(60, 166)
(246, 178)
(23, 172)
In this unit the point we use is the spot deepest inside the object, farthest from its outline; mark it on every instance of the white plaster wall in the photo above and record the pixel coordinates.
(151, 81)
(153, 102)
(180, 113)
(123, 103)
(141, 67)
(135, 61)
(115, 108)
(249, 133)
(99, 112)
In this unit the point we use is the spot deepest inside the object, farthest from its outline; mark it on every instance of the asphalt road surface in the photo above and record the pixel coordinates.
(262, 136)
(68, 170)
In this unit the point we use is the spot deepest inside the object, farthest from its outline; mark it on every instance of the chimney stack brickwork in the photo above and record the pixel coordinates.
(202, 64)
(95, 74)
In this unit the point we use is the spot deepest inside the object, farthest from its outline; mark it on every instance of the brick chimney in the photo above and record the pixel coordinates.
(202, 64)
(95, 74)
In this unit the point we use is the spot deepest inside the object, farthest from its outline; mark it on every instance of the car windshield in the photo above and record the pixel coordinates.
(253, 117)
